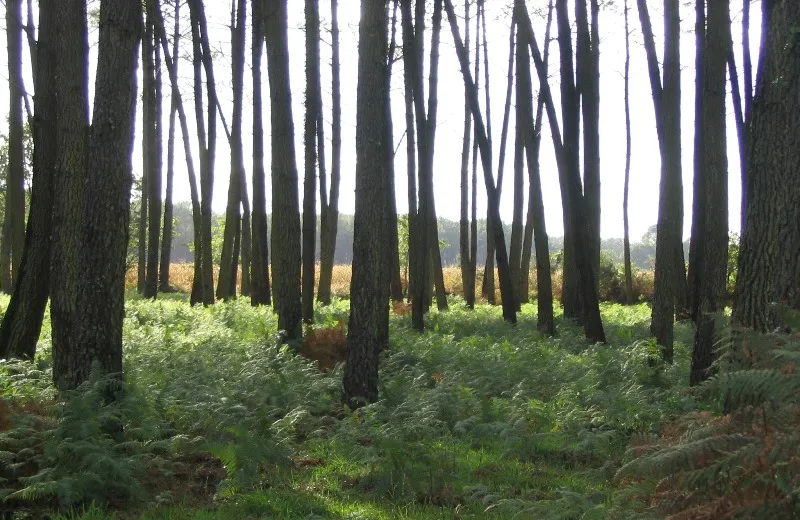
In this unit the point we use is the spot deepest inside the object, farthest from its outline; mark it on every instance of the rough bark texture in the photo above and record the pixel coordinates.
(72, 122)
(769, 258)
(101, 288)
(506, 283)
(310, 144)
(285, 235)
(368, 328)
(226, 285)
(22, 320)
(329, 220)
(710, 299)
(14, 221)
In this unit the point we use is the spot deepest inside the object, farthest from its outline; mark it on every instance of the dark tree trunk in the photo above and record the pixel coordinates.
(153, 158)
(395, 282)
(330, 219)
(535, 228)
(141, 262)
(465, 256)
(72, 120)
(22, 320)
(769, 258)
(310, 143)
(368, 328)
(285, 236)
(697, 239)
(259, 275)
(746, 116)
(172, 70)
(101, 288)
(670, 274)
(247, 234)
(166, 237)
(570, 181)
(517, 227)
(710, 299)
(506, 283)
(626, 241)
(14, 221)
(411, 169)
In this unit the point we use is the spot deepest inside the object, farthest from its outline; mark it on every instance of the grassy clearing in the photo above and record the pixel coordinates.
(477, 420)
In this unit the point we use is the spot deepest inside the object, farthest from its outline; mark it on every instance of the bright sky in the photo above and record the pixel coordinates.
(645, 162)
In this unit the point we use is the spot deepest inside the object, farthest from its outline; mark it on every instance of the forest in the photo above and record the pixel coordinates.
(257, 259)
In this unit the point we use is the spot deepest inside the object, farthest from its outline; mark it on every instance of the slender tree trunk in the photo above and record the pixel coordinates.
(368, 328)
(626, 241)
(14, 222)
(517, 227)
(506, 284)
(166, 238)
(141, 262)
(395, 282)
(310, 142)
(330, 223)
(247, 234)
(72, 120)
(285, 236)
(172, 71)
(153, 134)
(697, 240)
(260, 287)
(570, 181)
(489, 267)
(535, 225)
(744, 137)
(769, 258)
(101, 288)
(226, 285)
(23, 317)
(467, 275)
(715, 172)
(411, 167)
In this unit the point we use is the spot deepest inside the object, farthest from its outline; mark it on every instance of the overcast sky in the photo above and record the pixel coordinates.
(645, 163)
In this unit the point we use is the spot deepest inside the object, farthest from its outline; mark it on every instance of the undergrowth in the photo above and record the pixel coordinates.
(477, 420)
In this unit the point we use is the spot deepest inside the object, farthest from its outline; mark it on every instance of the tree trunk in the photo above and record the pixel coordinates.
(72, 120)
(101, 288)
(285, 236)
(697, 239)
(769, 258)
(172, 71)
(166, 237)
(506, 284)
(535, 225)
(746, 116)
(395, 282)
(247, 234)
(22, 320)
(570, 181)
(368, 328)
(14, 222)
(714, 171)
(517, 228)
(152, 132)
(626, 241)
(330, 219)
(411, 169)
(310, 142)
(465, 257)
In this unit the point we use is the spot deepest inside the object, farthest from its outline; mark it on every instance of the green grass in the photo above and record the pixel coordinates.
(477, 419)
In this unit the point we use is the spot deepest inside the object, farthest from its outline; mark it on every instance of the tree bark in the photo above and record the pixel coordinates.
(517, 227)
(101, 287)
(395, 282)
(71, 176)
(166, 237)
(153, 151)
(626, 241)
(285, 236)
(260, 286)
(769, 258)
(310, 143)
(697, 239)
(710, 299)
(465, 256)
(22, 321)
(506, 283)
(14, 222)
(330, 219)
(368, 328)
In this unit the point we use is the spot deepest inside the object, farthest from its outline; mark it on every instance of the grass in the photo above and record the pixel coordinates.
(477, 419)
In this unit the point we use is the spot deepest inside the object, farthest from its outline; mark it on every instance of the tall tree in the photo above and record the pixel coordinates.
(411, 158)
(22, 321)
(714, 173)
(329, 218)
(14, 222)
(310, 144)
(101, 287)
(368, 328)
(166, 236)
(465, 251)
(743, 107)
(517, 226)
(226, 285)
(670, 278)
(285, 235)
(152, 135)
(570, 182)
(395, 282)
(769, 258)
(698, 188)
(626, 240)
(71, 176)
(260, 291)
(506, 283)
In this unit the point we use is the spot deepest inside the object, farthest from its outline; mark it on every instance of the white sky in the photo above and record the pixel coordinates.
(645, 162)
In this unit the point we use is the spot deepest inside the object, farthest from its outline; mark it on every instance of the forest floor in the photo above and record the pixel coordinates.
(477, 419)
